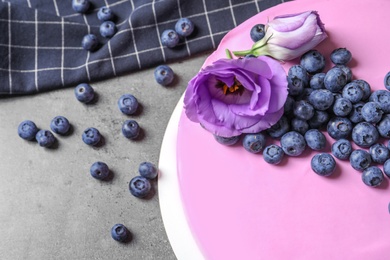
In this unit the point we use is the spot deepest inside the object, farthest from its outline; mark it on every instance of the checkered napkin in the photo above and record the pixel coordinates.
(40, 41)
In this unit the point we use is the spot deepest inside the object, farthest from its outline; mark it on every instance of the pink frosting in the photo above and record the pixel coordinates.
(239, 207)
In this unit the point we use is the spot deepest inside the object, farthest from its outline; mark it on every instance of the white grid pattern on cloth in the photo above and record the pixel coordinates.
(136, 45)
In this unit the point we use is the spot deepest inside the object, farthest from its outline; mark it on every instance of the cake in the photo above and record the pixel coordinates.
(237, 206)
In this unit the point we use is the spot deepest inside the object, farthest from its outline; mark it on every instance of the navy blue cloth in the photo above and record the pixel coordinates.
(40, 43)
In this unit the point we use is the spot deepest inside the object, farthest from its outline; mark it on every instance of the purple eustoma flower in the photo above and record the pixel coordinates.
(289, 36)
(235, 96)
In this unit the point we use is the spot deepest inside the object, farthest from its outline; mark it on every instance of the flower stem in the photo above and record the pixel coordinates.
(228, 54)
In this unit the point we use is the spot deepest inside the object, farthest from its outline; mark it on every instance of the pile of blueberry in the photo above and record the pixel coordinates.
(333, 101)
(183, 28)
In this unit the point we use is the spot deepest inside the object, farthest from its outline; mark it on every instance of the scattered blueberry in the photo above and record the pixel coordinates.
(356, 113)
(335, 79)
(297, 79)
(365, 134)
(303, 110)
(353, 92)
(148, 170)
(254, 143)
(379, 153)
(315, 139)
(313, 61)
(45, 138)
(341, 56)
(383, 98)
(130, 129)
(342, 107)
(164, 75)
(91, 136)
(227, 140)
(105, 14)
(139, 186)
(323, 164)
(27, 130)
(120, 233)
(299, 125)
(384, 126)
(372, 112)
(293, 143)
(372, 176)
(257, 32)
(342, 149)
(60, 125)
(347, 71)
(99, 170)
(169, 38)
(90, 42)
(273, 154)
(80, 6)
(339, 128)
(84, 93)
(107, 29)
(317, 81)
(319, 119)
(128, 104)
(360, 159)
(280, 128)
(184, 27)
(365, 87)
(321, 99)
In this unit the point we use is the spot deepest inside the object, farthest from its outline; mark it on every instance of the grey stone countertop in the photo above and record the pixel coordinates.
(50, 206)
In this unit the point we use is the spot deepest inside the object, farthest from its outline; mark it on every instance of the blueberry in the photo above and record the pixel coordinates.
(323, 164)
(321, 99)
(164, 75)
(280, 128)
(131, 129)
(293, 143)
(299, 125)
(315, 139)
(335, 79)
(379, 153)
(356, 113)
(317, 81)
(386, 168)
(303, 110)
(372, 112)
(91, 136)
(128, 104)
(387, 81)
(27, 130)
(80, 6)
(342, 107)
(90, 42)
(45, 138)
(254, 143)
(169, 38)
(384, 126)
(341, 56)
(342, 149)
(120, 233)
(273, 154)
(347, 71)
(365, 87)
(257, 32)
(99, 170)
(339, 127)
(383, 98)
(319, 119)
(184, 27)
(297, 79)
(365, 134)
(107, 29)
(227, 140)
(353, 92)
(372, 176)
(140, 186)
(360, 159)
(60, 125)
(84, 93)
(313, 61)
(147, 170)
(105, 14)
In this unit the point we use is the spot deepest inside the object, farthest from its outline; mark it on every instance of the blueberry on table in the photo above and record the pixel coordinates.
(107, 29)
(321, 99)
(383, 98)
(297, 79)
(273, 154)
(315, 139)
(45, 138)
(257, 32)
(335, 79)
(317, 81)
(319, 119)
(84, 93)
(372, 176)
(303, 110)
(254, 143)
(27, 130)
(360, 159)
(299, 125)
(147, 170)
(169, 38)
(184, 27)
(60, 125)
(347, 71)
(91, 136)
(342, 107)
(130, 129)
(293, 143)
(227, 140)
(342, 149)
(80, 6)
(99, 170)
(163, 75)
(139, 186)
(365, 87)
(90, 42)
(120, 233)
(105, 14)
(128, 104)
(365, 134)
(384, 126)
(323, 164)
(379, 153)
(355, 116)
(372, 112)
(353, 92)
(339, 127)
(341, 56)
(313, 61)
(386, 168)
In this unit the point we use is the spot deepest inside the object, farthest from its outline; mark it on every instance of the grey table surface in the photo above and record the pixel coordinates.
(50, 206)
